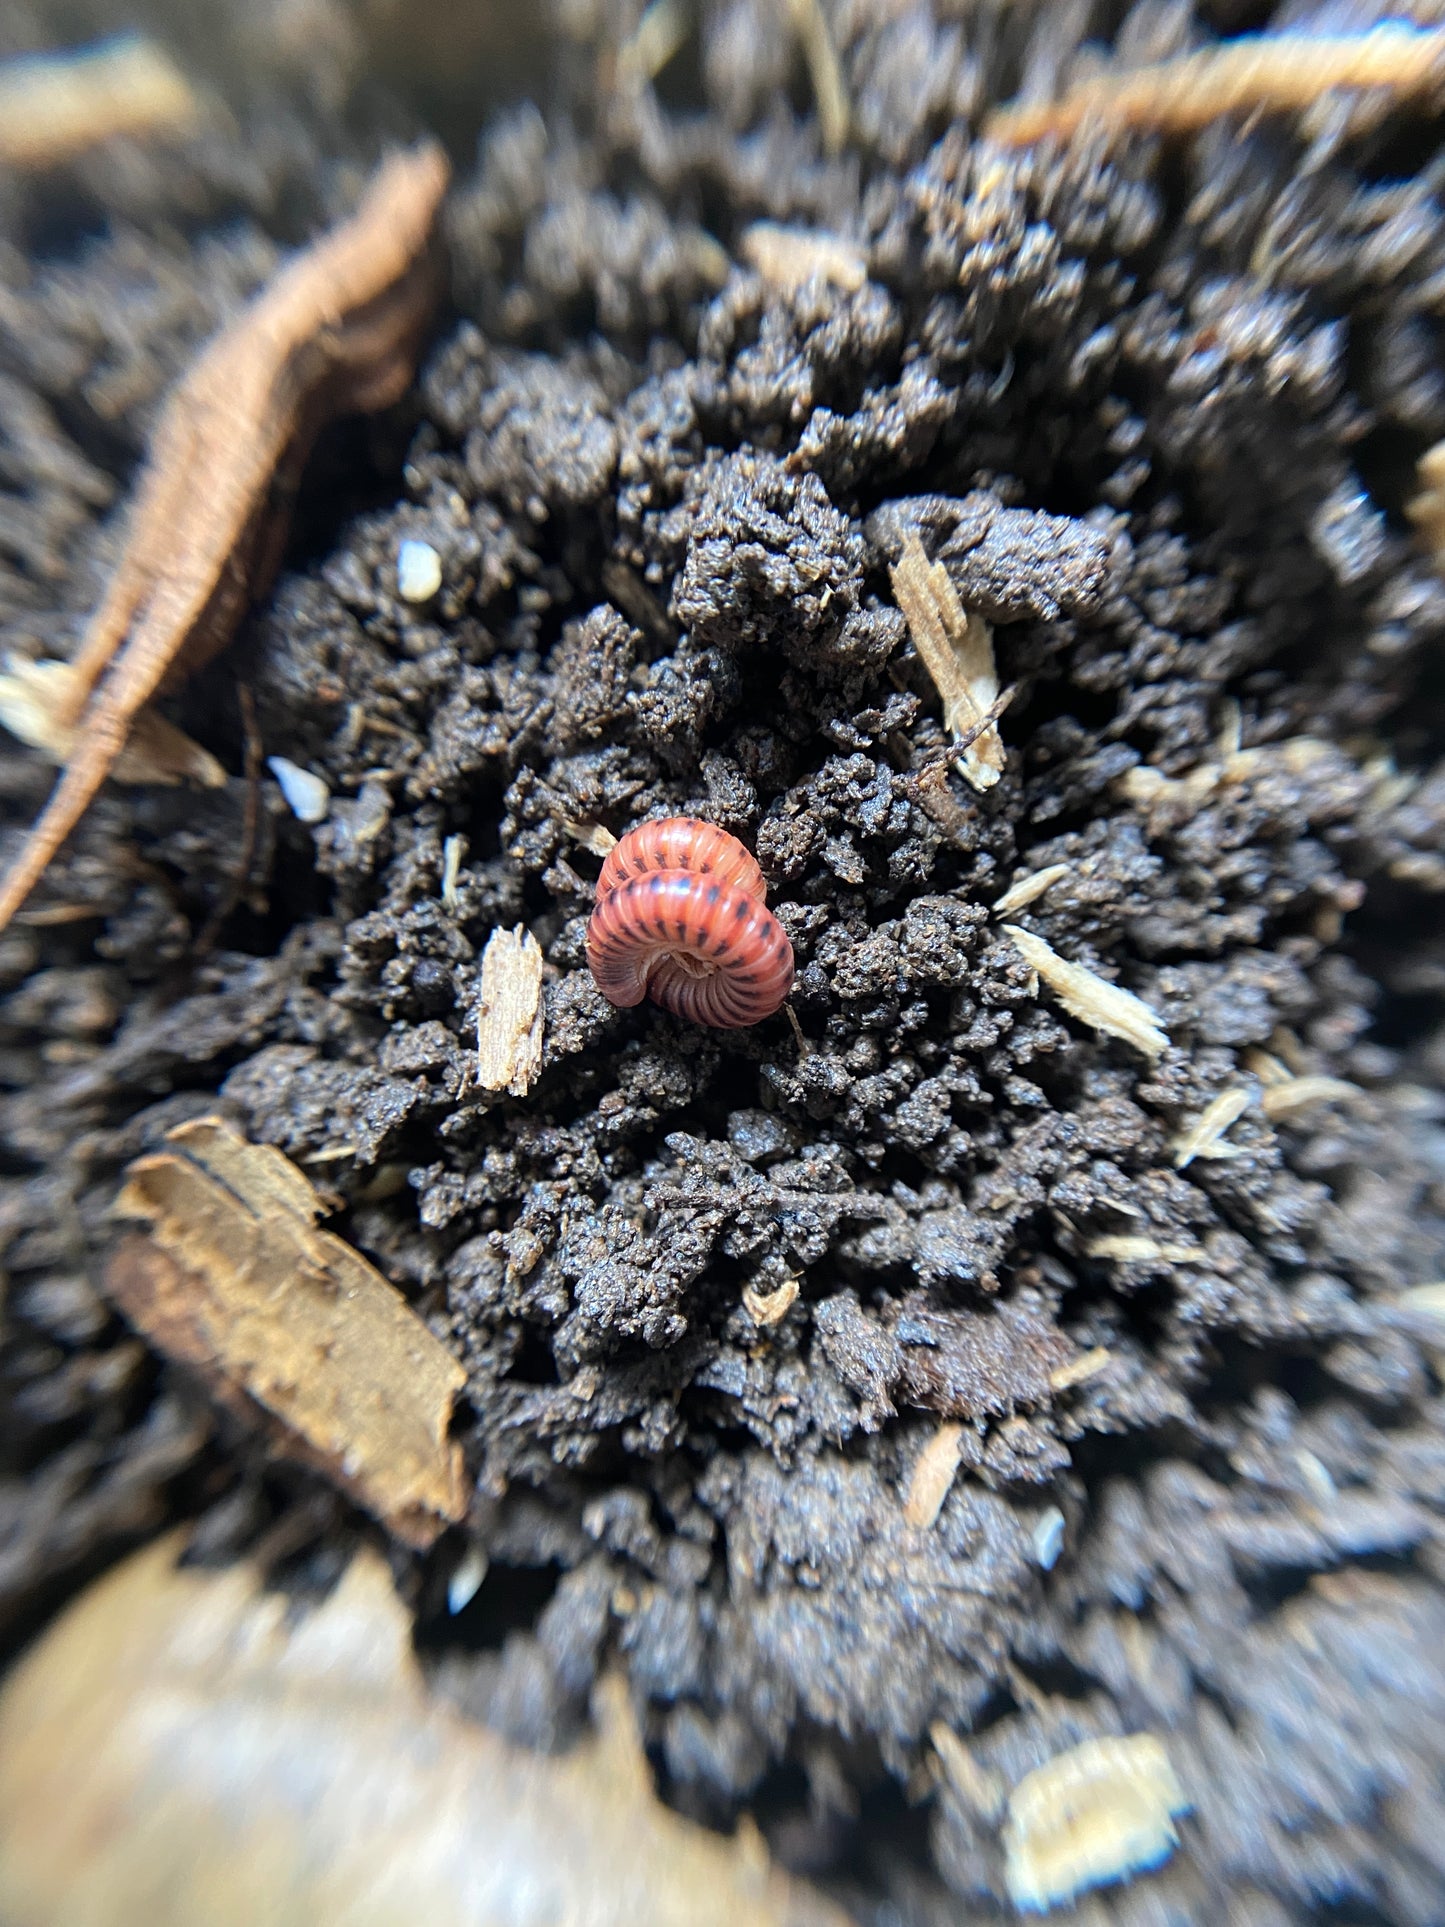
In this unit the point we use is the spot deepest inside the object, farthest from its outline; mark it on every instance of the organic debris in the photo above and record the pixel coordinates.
(1257, 73)
(810, 23)
(36, 705)
(54, 106)
(1427, 509)
(1133, 1248)
(336, 331)
(235, 1280)
(1295, 1094)
(1095, 1814)
(1203, 1138)
(957, 650)
(182, 1746)
(509, 1012)
(1028, 889)
(1091, 998)
(789, 258)
(932, 1475)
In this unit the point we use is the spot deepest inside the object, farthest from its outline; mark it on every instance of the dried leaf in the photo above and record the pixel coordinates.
(236, 1280)
(1285, 72)
(1291, 1095)
(509, 1016)
(54, 106)
(1028, 889)
(34, 699)
(791, 257)
(957, 650)
(1202, 1138)
(182, 1748)
(1090, 998)
(932, 1475)
(1092, 1815)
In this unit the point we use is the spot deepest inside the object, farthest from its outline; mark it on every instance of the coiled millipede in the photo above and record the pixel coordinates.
(680, 918)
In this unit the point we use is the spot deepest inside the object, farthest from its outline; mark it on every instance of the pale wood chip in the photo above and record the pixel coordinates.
(657, 37)
(1427, 509)
(1088, 1365)
(1202, 1139)
(1292, 1095)
(1092, 1815)
(1285, 72)
(790, 257)
(509, 1016)
(34, 700)
(932, 1475)
(1028, 889)
(956, 649)
(54, 106)
(768, 1307)
(825, 72)
(454, 855)
(235, 1280)
(1091, 998)
(595, 837)
(1127, 1248)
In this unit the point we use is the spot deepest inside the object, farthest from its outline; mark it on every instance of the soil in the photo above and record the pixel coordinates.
(1158, 409)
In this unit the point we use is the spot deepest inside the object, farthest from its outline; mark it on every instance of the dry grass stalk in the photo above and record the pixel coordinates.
(791, 257)
(336, 331)
(932, 1475)
(1202, 1139)
(509, 1015)
(1028, 889)
(235, 1280)
(55, 106)
(825, 71)
(1092, 1815)
(1279, 73)
(957, 651)
(1090, 998)
(34, 699)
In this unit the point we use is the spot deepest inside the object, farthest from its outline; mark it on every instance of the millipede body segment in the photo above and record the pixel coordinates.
(680, 918)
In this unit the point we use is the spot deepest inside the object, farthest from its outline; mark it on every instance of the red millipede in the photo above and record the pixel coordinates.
(680, 918)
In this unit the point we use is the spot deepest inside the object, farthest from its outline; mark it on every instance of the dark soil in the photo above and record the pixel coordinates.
(665, 496)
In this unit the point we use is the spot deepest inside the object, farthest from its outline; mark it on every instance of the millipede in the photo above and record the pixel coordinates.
(681, 918)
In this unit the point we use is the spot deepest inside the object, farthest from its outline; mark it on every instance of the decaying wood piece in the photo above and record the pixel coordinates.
(1091, 998)
(235, 1280)
(1282, 73)
(54, 106)
(185, 1747)
(336, 331)
(957, 652)
(509, 1015)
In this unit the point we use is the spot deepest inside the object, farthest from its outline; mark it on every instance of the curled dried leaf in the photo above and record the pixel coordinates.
(54, 106)
(1091, 998)
(1282, 73)
(1028, 889)
(957, 651)
(790, 257)
(35, 706)
(1203, 1138)
(509, 1015)
(236, 1280)
(1095, 1814)
(932, 1475)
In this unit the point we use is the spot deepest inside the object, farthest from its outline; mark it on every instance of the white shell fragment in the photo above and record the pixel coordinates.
(1095, 1814)
(1048, 1537)
(305, 792)
(418, 571)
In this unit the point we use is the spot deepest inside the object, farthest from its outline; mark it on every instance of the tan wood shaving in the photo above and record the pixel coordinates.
(1028, 889)
(1427, 509)
(235, 1280)
(35, 698)
(509, 1016)
(932, 1475)
(1079, 1371)
(791, 257)
(1129, 1248)
(55, 106)
(659, 35)
(810, 24)
(1203, 1138)
(1292, 1095)
(1282, 73)
(769, 1307)
(1092, 1815)
(956, 649)
(595, 837)
(1091, 998)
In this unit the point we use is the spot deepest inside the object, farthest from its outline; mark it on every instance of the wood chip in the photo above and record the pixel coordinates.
(1427, 509)
(454, 854)
(35, 700)
(186, 1748)
(1202, 1139)
(509, 1016)
(769, 1307)
(932, 1475)
(1028, 889)
(1088, 1365)
(1091, 998)
(659, 35)
(595, 837)
(1129, 1248)
(1255, 73)
(957, 651)
(1291, 1095)
(235, 1279)
(791, 257)
(55, 106)
(1095, 1814)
